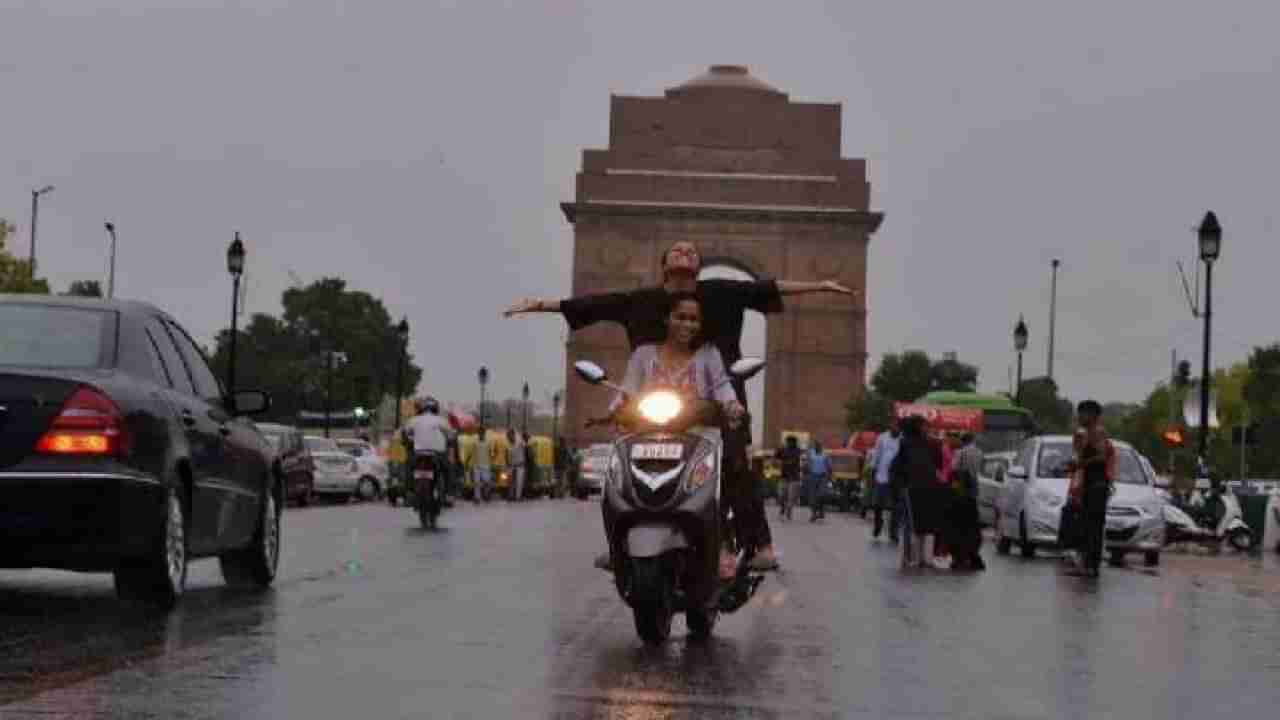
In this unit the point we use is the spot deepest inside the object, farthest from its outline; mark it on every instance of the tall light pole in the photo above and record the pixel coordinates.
(111, 274)
(1210, 238)
(524, 409)
(483, 376)
(1019, 344)
(235, 266)
(402, 341)
(35, 215)
(555, 423)
(1053, 311)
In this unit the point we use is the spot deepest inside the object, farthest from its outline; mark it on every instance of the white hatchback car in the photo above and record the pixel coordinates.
(336, 471)
(1035, 489)
(374, 472)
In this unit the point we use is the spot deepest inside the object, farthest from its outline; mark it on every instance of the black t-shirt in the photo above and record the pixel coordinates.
(790, 458)
(643, 313)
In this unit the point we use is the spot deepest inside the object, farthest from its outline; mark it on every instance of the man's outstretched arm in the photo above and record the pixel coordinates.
(532, 305)
(800, 287)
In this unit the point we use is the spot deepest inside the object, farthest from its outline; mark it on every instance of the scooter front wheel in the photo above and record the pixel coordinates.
(1241, 539)
(651, 601)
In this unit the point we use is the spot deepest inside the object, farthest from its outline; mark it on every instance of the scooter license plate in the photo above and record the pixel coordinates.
(423, 474)
(657, 451)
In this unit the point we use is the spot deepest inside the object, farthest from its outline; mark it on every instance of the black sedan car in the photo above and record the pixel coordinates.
(120, 452)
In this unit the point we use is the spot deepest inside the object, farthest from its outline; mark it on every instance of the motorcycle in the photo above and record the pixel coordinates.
(428, 486)
(662, 510)
(1208, 519)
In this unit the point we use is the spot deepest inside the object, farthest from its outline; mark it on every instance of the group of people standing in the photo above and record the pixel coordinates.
(804, 471)
(928, 483)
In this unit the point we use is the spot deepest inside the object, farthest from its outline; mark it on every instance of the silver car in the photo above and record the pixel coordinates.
(1035, 489)
(337, 473)
(990, 480)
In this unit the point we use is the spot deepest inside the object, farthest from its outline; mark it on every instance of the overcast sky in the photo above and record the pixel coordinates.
(421, 151)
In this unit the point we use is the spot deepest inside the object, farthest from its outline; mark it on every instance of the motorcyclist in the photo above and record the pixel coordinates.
(643, 313)
(430, 434)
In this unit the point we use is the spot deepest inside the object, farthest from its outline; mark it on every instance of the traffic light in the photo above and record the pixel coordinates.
(1183, 377)
(1173, 437)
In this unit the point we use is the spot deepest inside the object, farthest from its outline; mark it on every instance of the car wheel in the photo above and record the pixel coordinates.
(159, 579)
(1028, 549)
(255, 565)
(367, 489)
(1151, 559)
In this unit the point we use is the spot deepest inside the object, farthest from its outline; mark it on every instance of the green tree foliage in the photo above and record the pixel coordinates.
(868, 409)
(1051, 412)
(951, 374)
(85, 288)
(903, 377)
(15, 274)
(288, 356)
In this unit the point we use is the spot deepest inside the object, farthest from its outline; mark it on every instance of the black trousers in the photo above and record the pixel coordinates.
(740, 491)
(1093, 523)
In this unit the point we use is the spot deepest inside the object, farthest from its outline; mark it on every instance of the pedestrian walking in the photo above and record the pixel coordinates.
(516, 461)
(481, 466)
(964, 532)
(790, 457)
(883, 495)
(1091, 483)
(817, 474)
(915, 472)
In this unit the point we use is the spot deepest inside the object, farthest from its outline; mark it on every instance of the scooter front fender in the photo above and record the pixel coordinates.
(645, 541)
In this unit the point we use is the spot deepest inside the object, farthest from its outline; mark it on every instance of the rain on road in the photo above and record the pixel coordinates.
(502, 615)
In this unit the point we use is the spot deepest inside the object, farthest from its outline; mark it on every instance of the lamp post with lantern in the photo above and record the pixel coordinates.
(1209, 235)
(402, 341)
(1019, 344)
(235, 266)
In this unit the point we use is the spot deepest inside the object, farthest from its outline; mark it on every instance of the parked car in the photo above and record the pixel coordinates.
(337, 473)
(592, 469)
(293, 461)
(991, 478)
(374, 473)
(1035, 490)
(120, 451)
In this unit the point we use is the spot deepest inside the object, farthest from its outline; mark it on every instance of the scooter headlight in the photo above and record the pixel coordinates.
(660, 407)
(702, 471)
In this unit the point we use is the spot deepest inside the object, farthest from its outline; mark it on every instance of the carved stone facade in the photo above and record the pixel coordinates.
(756, 182)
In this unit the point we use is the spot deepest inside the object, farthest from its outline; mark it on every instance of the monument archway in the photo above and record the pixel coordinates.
(757, 183)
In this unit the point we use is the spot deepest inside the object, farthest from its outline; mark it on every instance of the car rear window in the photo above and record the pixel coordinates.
(53, 337)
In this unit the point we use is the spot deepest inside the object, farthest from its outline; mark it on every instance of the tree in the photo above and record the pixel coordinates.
(15, 274)
(1052, 413)
(951, 374)
(289, 356)
(868, 409)
(903, 377)
(85, 288)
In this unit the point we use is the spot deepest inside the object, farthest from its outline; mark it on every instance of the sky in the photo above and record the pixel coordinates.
(421, 150)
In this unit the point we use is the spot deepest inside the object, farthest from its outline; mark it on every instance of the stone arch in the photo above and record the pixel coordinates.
(757, 182)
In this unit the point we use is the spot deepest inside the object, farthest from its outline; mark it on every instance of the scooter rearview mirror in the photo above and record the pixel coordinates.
(590, 372)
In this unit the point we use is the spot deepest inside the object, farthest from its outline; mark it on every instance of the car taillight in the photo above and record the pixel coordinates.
(88, 424)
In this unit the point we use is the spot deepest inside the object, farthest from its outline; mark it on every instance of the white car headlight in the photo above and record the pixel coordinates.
(660, 407)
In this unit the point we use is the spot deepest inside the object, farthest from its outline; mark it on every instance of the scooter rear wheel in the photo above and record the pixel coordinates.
(651, 601)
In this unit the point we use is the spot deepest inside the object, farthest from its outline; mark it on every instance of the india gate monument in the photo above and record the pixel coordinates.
(758, 183)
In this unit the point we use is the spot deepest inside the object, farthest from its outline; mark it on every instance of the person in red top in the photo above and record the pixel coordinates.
(643, 314)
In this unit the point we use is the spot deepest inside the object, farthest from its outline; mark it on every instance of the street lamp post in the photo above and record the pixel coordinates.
(235, 266)
(111, 274)
(1209, 235)
(1019, 344)
(483, 377)
(402, 339)
(35, 215)
(555, 424)
(524, 409)
(1053, 312)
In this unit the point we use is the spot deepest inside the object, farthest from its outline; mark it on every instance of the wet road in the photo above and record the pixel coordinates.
(501, 615)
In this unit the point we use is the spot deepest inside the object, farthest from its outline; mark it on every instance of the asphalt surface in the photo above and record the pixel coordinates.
(501, 615)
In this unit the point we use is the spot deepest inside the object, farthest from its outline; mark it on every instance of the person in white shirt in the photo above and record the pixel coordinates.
(881, 460)
(428, 431)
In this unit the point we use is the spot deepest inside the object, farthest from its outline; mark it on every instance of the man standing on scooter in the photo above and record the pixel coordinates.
(643, 314)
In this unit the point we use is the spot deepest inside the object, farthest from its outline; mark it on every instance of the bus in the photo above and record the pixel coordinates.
(1004, 424)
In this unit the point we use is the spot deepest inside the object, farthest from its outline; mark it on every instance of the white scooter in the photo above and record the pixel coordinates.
(1271, 532)
(1209, 519)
